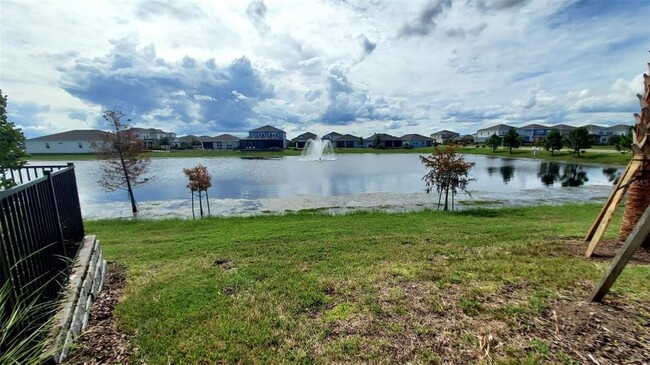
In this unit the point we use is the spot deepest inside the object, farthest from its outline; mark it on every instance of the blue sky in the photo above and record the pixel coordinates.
(359, 67)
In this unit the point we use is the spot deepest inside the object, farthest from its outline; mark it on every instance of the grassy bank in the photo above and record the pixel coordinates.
(425, 287)
(594, 156)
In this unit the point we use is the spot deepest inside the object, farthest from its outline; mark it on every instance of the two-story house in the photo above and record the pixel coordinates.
(484, 134)
(152, 136)
(533, 132)
(443, 136)
(264, 138)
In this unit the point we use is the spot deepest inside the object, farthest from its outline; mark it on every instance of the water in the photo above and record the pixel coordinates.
(318, 150)
(354, 181)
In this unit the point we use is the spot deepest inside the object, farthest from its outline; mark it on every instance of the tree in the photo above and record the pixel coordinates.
(200, 182)
(12, 139)
(622, 142)
(377, 141)
(448, 173)
(578, 139)
(125, 162)
(512, 139)
(553, 141)
(493, 142)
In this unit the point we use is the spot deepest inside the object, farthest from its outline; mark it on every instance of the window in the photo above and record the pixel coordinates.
(47, 145)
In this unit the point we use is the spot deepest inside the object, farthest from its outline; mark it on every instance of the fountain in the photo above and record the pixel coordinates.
(318, 150)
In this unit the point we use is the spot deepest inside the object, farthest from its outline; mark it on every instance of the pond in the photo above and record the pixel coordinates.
(390, 182)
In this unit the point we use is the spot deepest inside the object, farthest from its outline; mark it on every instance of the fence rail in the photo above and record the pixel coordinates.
(40, 228)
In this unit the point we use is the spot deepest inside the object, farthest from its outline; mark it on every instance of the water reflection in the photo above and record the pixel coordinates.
(506, 171)
(574, 175)
(549, 173)
(613, 174)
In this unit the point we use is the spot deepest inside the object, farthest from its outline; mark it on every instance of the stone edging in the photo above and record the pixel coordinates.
(85, 282)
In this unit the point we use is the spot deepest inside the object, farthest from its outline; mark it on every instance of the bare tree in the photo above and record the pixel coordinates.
(448, 173)
(124, 159)
(200, 182)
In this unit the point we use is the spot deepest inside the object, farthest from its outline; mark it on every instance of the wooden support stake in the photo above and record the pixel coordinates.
(632, 244)
(611, 205)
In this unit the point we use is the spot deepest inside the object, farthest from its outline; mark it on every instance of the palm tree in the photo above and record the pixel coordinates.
(638, 194)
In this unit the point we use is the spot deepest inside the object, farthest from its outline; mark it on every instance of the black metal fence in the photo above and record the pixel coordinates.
(40, 229)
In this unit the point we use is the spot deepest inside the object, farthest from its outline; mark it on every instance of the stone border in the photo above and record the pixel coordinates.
(85, 282)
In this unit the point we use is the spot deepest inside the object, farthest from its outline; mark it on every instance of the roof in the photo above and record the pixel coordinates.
(496, 127)
(563, 126)
(74, 135)
(619, 127)
(445, 132)
(147, 130)
(267, 128)
(188, 138)
(346, 137)
(535, 126)
(305, 137)
(225, 137)
(383, 136)
(333, 134)
(592, 126)
(414, 137)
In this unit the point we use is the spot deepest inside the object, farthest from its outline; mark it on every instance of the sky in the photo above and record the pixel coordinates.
(359, 67)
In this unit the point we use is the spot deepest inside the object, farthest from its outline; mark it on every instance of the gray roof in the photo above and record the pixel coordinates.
(333, 134)
(445, 132)
(414, 137)
(564, 127)
(147, 130)
(346, 137)
(496, 127)
(535, 126)
(619, 127)
(75, 135)
(267, 128)
(383, 136)
(225, 137)
(305, 137)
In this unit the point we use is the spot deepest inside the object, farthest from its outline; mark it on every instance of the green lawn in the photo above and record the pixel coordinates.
(589, 157)
(418, 287)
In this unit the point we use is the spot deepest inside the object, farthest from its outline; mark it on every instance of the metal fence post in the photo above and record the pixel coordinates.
(50, 185)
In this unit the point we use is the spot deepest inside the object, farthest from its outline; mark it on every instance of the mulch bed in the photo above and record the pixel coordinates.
(102, 342)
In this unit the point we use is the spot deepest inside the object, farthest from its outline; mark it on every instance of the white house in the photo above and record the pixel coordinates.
(77, 141)
(500, 130)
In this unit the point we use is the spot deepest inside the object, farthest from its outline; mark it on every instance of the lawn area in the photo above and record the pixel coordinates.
(613, 158)
(425, 287)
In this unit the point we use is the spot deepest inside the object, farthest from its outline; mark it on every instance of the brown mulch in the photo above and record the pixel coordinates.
(607, 250)
(102, 342)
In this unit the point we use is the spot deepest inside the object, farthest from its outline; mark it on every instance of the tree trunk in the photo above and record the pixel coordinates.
(201, 203)
(207, 201)
(638, 199)
(193, 216)
(446, 198)
(129, 188)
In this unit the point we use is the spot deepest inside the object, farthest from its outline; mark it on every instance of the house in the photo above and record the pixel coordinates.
(186, 142)
(564, 129)
(331, 136)
(385, 141)
(266, 137)
(348, 141)
(464, 139)
(598, 133)
(500, 130)
(416, 140)
(533, 132)
(76, 141)
(616, 130)
(221, 142)
(443, 136)
(302, 139)
(152, 136)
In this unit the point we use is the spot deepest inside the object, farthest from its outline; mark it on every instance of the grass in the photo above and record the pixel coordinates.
(589, 157)
(313, 288)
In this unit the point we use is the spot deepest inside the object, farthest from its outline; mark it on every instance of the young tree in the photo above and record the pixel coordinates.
(622, 142)
(553, 141)
(377, 141)
(578, 139)
(200, 182)
(125, 162)
(512, 139)
(448, 173)
(493, 142)
(11, 139)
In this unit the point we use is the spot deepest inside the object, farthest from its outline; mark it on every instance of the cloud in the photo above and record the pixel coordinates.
(487, 5)
(346, 105)
(367, 46)
(189, 91)
(256, 12)
(180, 10)
(425, 22)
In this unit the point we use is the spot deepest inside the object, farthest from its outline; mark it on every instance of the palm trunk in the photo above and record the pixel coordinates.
(638, 199)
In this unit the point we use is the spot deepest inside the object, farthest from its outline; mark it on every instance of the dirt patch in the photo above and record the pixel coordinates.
(415, 322)
(102, 342)
(607, 250)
